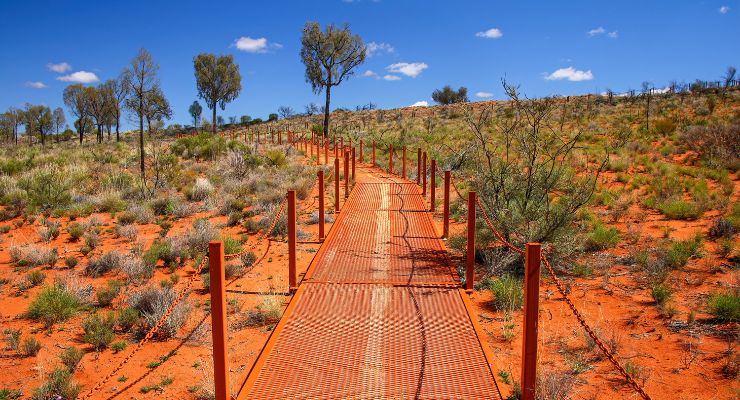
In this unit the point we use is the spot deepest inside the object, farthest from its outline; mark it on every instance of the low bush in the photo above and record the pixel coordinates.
(71, 261)
(163, 250)
(678, 253)
(107, 262)
(202, 188)
(136, 269)
(35, 278)
(248, 259)
(601, 237)
(71, 357)
(98, 331)
(725, 306)
(126, 318)
(13, 338)
(152, 302)
(661, 294)
(59, 386)
(722, 228)
(32, 255)
(53, 304)
(30, 346)
(75, 230)
(507, 291)
(680, 210)
(10, 394)
(108, 293)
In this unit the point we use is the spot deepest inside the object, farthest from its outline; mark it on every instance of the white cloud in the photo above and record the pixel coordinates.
(596, 31)
(391, 78)
(79, 77)
(724, 9)
(59, 68)
(370, 73)
(36, 85)
(420, 104)
(409, 69)
(570, 74)
(374, 48)
(484, 95)
(259, 45)
(613, 35)
(493, 33)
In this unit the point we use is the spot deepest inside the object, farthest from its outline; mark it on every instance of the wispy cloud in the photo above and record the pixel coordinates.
(421, 103)
(724, 9)
(613, 35)
(370, 73)
(59, 68)
(596, 31)
(374, 48)
(390, 77)
(570, 74)
(79, 77)
(259, 45)
(484, 95)
(409, 69)
(493, 33)
(36, 85)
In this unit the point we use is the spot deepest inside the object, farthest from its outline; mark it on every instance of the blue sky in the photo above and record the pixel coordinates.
(547, 47)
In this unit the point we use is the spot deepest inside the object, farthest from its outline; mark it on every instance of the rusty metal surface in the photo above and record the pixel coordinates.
(376, 342)
(379, 315)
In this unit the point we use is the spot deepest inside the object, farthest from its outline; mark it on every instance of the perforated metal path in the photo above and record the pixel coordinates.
(379, 315)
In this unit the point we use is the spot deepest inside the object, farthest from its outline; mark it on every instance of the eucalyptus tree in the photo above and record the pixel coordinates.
(13, 118)
(195, 111)
(218, 81)
(58, 120)
(117, 91)
(76, 100)
(330, 57)
(38, 119)
(141, 79)
(157, 108)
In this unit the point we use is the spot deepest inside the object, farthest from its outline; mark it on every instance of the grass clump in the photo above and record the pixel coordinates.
(507, 293)
(602, 237)
(10, 394)
(678, 253)
(58, 386)
(725, 306)
(71, 357)
(98, 331)
(53, 304)
(107, 262)
(30, 346)
(680, 210)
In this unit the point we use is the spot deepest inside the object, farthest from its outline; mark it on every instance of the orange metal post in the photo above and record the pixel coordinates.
(390, 159)
(346, 174)
(310, 146)
(280, 137)
(470, 252)
(373, 154)
(403, 164)
(291, 242)
(360, 150)
(341, 144)
(218, 319)
(424, 174)
(446, 207)
(321, 204)
(418, 166)
(433, 186)
(353, 163)
(531, 311)
(326, 151)
(336, 184)
(318, 150)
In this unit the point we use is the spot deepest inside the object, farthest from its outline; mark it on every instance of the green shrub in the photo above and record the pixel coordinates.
(13, 338)
(232, 245)
(75, 230)
(161, 250)
(71, 357)
(30, 346)
(507, 292)
(53, 304)
(71, 261)
(10, 394)
(59, 385)
(680, 210)
(107, 294)
(118, 346)
(126, 318)
(602, 237)
(164, 206)
(107, 262)
(98, 331)
(35, 278)
(679, 252)
(248, 259)
(48, 187)
(661, 294)
(725, 306)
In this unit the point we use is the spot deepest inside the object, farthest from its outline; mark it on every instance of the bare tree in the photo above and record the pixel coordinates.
(647, 94)
(141, 79)
(285, 112)
(311, 109)
(330, 57)
(58, 120)
(727, 79)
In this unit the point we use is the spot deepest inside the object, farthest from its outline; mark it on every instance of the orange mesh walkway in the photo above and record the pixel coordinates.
(379, 315)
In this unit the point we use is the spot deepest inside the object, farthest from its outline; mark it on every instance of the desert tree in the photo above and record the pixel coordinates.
(13, 118)
(447, 95)
(97, 108)
(647, 94)
(218, 81)
(727, 79)
(285, 112)
(245, 119)
(523, 170)
(76, 100)
(117, 90)
(311, 109)
(272, 117)
(330, 57)
(195, 111)
(141, 79)
(58, 120)
(38, 119)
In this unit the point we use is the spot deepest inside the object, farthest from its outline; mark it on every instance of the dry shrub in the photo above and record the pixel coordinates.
(152, 302)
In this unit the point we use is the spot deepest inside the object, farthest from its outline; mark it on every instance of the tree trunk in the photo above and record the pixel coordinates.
(82, 130)
(118, 123)
(214, 119)
(326, 108)
(43, 137)
(141, 137)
